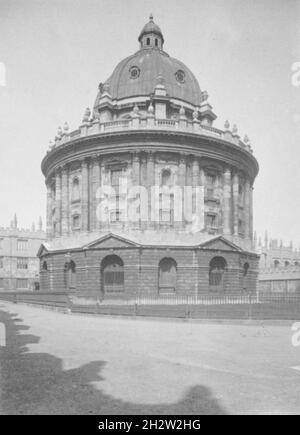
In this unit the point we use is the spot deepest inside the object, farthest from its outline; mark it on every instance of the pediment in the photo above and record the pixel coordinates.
(111, 241)
(220, 244)
(42, 251)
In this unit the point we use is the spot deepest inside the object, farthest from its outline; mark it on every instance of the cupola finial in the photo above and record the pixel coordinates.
(151, 35)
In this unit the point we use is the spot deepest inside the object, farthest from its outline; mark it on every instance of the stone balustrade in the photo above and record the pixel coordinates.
(94, 127)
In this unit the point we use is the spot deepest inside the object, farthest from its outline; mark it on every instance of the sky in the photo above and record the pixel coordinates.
(55, 53)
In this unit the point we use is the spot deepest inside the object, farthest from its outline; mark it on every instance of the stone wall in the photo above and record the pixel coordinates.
(141, 271)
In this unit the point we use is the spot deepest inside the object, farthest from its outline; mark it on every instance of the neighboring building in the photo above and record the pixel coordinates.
(152, 128)
(19, 264)
(279, 267)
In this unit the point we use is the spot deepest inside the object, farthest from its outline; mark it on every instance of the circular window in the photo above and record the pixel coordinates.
(134, 72)
(180, 76)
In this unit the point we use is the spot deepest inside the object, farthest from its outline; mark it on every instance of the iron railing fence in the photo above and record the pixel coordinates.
(209, 306)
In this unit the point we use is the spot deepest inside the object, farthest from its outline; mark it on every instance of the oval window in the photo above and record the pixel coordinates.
(180, 76)
(134, 72)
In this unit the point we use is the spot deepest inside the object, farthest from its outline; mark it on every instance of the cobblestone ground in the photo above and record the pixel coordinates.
(56, 363)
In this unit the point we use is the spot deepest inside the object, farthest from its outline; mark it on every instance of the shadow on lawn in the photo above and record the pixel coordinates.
(35, 383)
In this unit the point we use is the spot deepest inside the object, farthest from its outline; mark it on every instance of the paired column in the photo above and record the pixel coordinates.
(227, 202)
(182, 183)
(150, 183)
(247, 208)
(49, 210)
(85, 196)
(136, 180)
(235, 194)
(95, 184)
(65, 200)
(195, 181)
(251, 213)
(58, 202)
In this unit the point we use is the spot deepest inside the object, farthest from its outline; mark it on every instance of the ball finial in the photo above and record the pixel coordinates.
(66, 127)
(151, 17)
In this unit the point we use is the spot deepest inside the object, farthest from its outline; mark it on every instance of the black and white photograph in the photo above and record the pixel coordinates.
(150, 211)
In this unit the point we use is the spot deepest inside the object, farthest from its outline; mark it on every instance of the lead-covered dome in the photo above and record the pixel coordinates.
(137, 75)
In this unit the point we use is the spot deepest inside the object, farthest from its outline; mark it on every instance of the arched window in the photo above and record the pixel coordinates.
(75, 190)
(148, 41)
(76, 222)
(296, 263)
(44, 266)
(166, 199)
(286, 263)
(211, 183)
(156, 42)
(165, 177)
(276, 263)
(112, 274)
(70, 275)
(246, 268)
(245, 276)
(167, 275)
(217, 269)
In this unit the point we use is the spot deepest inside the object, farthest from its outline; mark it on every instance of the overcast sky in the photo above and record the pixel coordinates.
(57, 52)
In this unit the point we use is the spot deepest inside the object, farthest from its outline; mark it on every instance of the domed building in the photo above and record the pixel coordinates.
(147, 197)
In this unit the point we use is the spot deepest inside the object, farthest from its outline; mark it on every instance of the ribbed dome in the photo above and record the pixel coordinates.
(149, 65)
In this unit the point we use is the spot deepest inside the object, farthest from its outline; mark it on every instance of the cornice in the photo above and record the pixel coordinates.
(151, 140)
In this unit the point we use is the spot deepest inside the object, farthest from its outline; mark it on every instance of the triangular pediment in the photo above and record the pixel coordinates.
(111, 241)
(220, 244)
(42, 251)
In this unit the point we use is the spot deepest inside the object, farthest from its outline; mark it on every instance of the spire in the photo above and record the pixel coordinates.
(266, 239)
(40, 226)
(15, 221)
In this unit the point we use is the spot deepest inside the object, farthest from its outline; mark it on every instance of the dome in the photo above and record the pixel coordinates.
(137, 75)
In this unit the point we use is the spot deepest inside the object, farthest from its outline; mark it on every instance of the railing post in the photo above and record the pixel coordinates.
(250, 306)
(187, 313)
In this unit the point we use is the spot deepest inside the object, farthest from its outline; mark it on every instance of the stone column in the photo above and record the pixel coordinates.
(49, 210)
(182, 183)
(195, 180)
(84, 196)
(135, 169)
(65, 201)
(150, 184)
(202, 184)
(95, 184)
(227, 202)
(251, 213)
(136, 181)
(235, 193)
(247, 208)
(58, 202)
